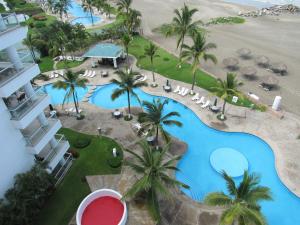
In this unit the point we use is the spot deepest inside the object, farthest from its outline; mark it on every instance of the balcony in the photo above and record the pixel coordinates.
(52, 156)
(37, 136)
(11, 32)
(24, 111)
(12, 79)
(62, 168)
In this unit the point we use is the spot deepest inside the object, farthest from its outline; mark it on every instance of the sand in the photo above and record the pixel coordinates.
(277, 37)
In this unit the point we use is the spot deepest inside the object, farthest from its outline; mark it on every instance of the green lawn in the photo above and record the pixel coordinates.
(92, 161)
(67, 64)
(46, 64)
(166, 65)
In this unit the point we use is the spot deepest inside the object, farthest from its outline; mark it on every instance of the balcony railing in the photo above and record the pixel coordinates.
(25, 105)
(7, 69)
(60, 171)
(52, 152)
(8, 21)
(35, 137)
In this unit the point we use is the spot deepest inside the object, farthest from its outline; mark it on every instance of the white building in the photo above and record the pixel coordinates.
(26, 133)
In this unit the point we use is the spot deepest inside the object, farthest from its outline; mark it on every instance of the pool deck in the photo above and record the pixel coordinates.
(280, 133)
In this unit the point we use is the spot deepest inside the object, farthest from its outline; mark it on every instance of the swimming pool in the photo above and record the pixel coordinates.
(81, 16)
(196, 170)
(57, 95)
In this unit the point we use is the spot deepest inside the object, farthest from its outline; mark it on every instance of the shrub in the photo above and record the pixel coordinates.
(74, 153)
(82, 142)
(25, 199)
(40, 24)
(115, 162)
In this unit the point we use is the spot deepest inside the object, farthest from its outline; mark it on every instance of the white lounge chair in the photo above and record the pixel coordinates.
(90, 72)
(206, 104)
(185, 92)
(195, 97)
(93, 74)
(181, 90)
(69, 58)
(52, 75)
(201, 100)
(137, 126)
(177, 89)
(85, 73)
(56, 75)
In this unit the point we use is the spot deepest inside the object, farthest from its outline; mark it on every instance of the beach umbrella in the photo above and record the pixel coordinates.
(231, 62)
(279, 68)
(262, 61)
(244, 52)
(249, 71)
(270, 81)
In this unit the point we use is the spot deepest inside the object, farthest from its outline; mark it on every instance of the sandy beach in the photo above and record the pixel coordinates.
(277, 37)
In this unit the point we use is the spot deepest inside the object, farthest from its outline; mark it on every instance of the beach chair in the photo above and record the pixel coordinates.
(201, 100)
(177, 89)
(89, 73)
(181, 90)
(85, 73)
(93, 74)
(195, 97)
(52, 75)
(185, 92)
(206, 104)
(137, 126)
(56, 75)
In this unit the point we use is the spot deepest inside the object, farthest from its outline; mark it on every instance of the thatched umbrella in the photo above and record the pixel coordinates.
(231, 62)
(249, 71)
(244, 53)
(262, 61)
(279, 68)
(270, 81)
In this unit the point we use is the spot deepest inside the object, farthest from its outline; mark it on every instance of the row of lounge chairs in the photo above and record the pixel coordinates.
(196, 98)
(69, 58)
(56, 74)
(181, 90)
(89, 73)
(72, 110)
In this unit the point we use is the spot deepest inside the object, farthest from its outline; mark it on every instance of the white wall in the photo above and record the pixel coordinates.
(14, 158)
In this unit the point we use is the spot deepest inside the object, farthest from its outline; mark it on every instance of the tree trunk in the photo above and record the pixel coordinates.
(33, 54)
(156, 137)
(127, 58)
(194, 80)
(75, 103)
(224, 104)
(153, 76)
(92, 17)
(128, 99)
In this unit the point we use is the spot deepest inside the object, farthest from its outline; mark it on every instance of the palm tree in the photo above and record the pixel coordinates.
(108, 9)
(154, 118)
(196, 52)
(69, 83)
(226, 88)
(124, 5)
(132, 20)
(29, 41)
(125, 40)
(61, 7)
(183, 24)
(126, 84)
(242, 201)
(151, 52)
(155, 181)
(88, 7)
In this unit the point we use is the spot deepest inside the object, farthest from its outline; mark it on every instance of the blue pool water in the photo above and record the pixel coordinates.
(57, 95)
(81, 16)
(195, 167)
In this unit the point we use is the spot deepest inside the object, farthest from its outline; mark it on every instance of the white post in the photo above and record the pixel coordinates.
(14, 57)
(42, 119)
(115, 63)
(276, 103)
(29, 90)
(53, 142)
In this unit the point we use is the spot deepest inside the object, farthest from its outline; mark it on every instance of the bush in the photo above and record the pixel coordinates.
(40, 24)
(24, 201)
(74, 153)
(82, 142)
(115, 162)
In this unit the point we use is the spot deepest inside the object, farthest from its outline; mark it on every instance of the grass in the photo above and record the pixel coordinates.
(62, 206)
(46, 64)
(68, 64)
(227, 20)
(167, 65)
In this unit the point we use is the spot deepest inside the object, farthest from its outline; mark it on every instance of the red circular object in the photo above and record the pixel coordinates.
(103, 211)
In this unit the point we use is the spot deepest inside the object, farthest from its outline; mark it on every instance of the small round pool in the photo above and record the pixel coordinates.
(104, 207)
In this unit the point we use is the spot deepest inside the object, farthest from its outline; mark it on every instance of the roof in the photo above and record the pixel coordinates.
(104, 50)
